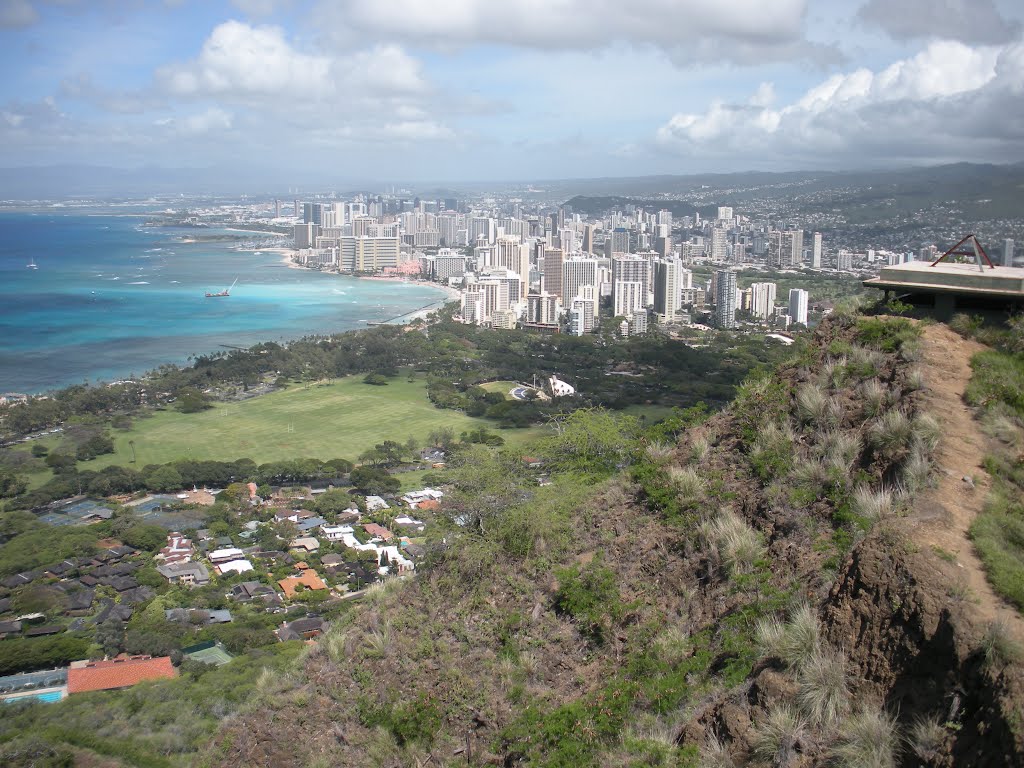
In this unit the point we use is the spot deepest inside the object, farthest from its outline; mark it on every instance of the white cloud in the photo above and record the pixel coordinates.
(688, 29)
(261, 7)
(969, 21)
(242, 62)
(17, 13)
(416, 130)
(942, 103)
(211, 121)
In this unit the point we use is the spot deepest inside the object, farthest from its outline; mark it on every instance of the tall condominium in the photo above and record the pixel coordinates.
(725, 298)
(577, 273)
(542, 308)
(816, 252)
(798, 299)
(762, 300)
(668, 289)
(785, 248)
(553, 259)
(724, 213)
(1008, 252)
(513, 255)
(629, 297)
(367, 254)
(719, 249)
(618, 241)
(631, 269)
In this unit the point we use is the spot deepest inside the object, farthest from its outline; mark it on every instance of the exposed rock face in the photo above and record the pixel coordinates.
(918, 650)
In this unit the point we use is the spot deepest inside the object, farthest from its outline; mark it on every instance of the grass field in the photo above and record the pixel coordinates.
(501, 386)
(339, 420)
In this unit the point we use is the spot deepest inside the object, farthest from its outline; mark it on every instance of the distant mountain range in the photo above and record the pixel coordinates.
(954, 181)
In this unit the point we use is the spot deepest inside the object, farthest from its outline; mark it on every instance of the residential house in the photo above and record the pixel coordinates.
(225, 555)
(415, 498)
(197, 616)
(252, 591)
(120, 672)
(336, 532)
(185, 573)
(397, 562)
(234, 566)
(178, 550)
(307, 543)
(301, 629)
(375, 504)
(307, 578)
(9, 628)
(378, 531)
(310, 523)
(409, 524)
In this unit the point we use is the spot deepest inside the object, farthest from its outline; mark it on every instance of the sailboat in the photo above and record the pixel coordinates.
(225, 292)
(32, 264)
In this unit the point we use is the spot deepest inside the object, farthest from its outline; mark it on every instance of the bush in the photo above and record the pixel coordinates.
(375, 379)
(869, 739)
(590, 596)
(736, 545)
(823, 693)
(794, 642)
(892, 434)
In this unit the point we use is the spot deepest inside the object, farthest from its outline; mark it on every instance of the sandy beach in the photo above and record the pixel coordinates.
(451, 293)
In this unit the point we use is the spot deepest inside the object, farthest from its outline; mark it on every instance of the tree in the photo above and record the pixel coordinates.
(374, 481)
(163, 479)
(592, 441)
(376, 379)
(191, 400)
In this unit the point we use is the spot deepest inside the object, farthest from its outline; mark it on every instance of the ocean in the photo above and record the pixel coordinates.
(111, 297)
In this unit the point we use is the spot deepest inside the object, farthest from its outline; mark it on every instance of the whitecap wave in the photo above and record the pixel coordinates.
(140, 282)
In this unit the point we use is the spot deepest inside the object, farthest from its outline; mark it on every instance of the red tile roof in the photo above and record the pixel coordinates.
(378, 531)
(121, 672)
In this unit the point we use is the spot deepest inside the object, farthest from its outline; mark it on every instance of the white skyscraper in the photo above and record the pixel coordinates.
(667, 288)
(1008, 252)
(762, 300)
(816, 253)
(798, 305)
(725, 213)
(719, 244)
(629, 297)
(725, 298)
(577, 273)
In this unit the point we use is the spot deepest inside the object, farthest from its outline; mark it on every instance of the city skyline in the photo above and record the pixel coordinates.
(474, 90)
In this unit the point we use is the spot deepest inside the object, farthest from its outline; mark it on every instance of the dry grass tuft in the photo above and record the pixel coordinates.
(869, 739)
(776, 738)
(824, 695)
(736, 545)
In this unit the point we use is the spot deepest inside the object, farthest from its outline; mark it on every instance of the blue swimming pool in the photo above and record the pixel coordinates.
(47, 696)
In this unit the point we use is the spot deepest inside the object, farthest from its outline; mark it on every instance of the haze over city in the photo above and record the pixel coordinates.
(478, 90)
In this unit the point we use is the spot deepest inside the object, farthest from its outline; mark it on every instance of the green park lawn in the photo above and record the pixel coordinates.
(501, 386)
(324, 421)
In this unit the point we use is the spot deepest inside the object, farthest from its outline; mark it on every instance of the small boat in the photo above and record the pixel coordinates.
(32, 264)
(225, 292)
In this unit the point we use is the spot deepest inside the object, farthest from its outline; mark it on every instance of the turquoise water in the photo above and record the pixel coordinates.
(111, 298)
(49, 696)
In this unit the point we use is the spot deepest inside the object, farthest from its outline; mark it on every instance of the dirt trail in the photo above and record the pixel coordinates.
(944, 514)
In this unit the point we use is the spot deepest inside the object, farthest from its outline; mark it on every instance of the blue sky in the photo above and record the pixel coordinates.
(414, 90)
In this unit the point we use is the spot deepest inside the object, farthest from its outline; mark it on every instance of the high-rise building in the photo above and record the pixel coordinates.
(725, 213)
(798, 305)
(305, 235)
(542, 308)
(719, 244)
(816, 252)
(725, 298)
(629, 297)
(762, 300)
(277, 209)
(844, 261)
(665, 219)
(588, 239)
(513, 255)
(785, 248)
(368, 254)
(581, 316)
(619, 239)
(553, 258)
(576, 273)
(667, 288)
(567, 240)
(449, 264)
(1008, 252)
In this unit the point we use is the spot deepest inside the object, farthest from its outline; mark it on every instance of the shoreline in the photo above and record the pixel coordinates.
(286, 259)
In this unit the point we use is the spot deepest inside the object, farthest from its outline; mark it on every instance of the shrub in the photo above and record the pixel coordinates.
(794, 642)
(915, 472)
(590, 596)
(873, 398)
(840, 450)
(891, 435)
(927, 738)
(887, 335)
(915, 379)
(927, 432)
(998, 645)
(869, 739)
(998, 534)
(873, 505)
(776, 738)
(737, 546)
(688, 484)
(772, 452)
(823, 693)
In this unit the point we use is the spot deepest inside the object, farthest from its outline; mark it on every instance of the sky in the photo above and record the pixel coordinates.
(448, 90)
